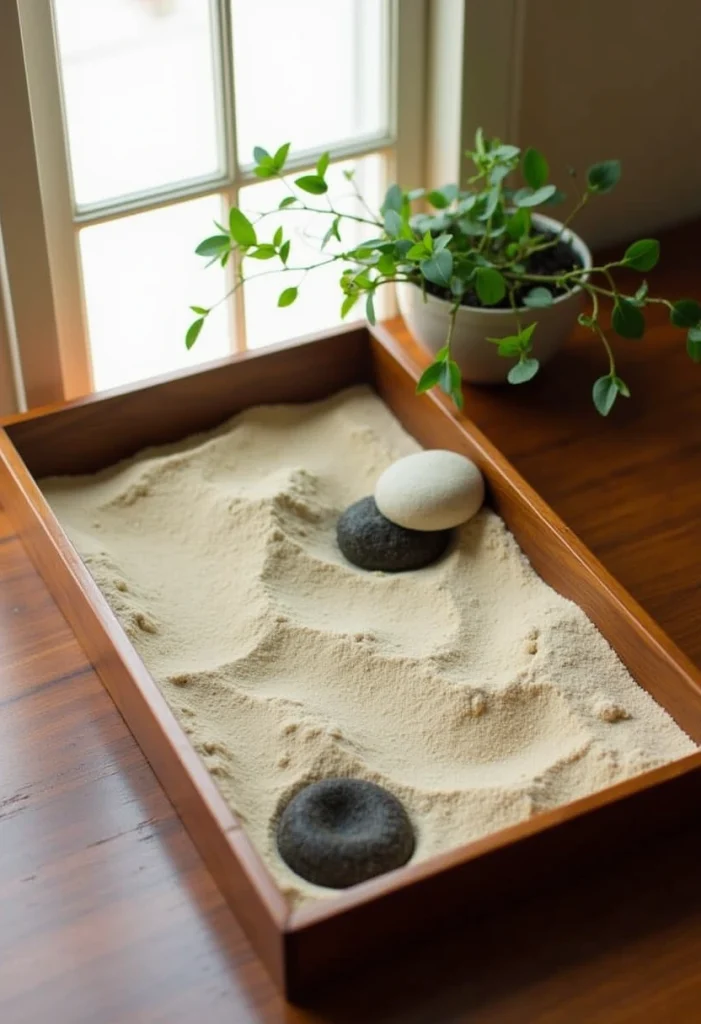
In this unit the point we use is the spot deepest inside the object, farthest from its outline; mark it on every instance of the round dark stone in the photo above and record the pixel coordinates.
(371, 541)
(339, 832)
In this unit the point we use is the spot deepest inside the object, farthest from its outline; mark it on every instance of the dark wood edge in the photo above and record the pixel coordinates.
(280, 937)
(523, 868)
(213, 367)
(508, 488)
(90, 433)
(314, 913)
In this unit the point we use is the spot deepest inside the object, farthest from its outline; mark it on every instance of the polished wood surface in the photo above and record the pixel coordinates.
(107, 912)
(303, 948)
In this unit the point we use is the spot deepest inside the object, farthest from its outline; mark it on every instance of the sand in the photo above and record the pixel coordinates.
(470, 689)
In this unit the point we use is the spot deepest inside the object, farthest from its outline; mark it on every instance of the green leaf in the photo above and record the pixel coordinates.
(277, 238)
(393, 222)
(287, 201)
(442, 354)
(437, 200)
(370, 308)
(627, 320)
(386, 265)
(439, 268)
(686, 313)
(524, 338)
(428, 241)
(508, 346)
(498, 173)
(526, 197)
(491, 204)
(621, 387)
(214, 246)
(693, 344)
(312, 183)
(458, 399)
(522, 371)
(441, 242)
(604, 394)
(535, 168)
(491, 286)
(641, 293)
(450, 379)
(642, 255)
(281, 156)
(457, 287)
(416, 252)
(242, 231)
(285, 251)
(479, 142)
(348, 303)
(263, 252)
(332, 232)
(288, 296)
(505, 152)
(538, 298)
(349, 175)
(265, 170)
(193, 332)
(260, 154)
(322, 164)
(519, 224)
(200, 310)
(394, 199)
(558, 196)
(430, 377)
(603, 177)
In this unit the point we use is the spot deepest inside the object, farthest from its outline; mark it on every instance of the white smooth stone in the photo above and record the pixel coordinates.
(431, 490)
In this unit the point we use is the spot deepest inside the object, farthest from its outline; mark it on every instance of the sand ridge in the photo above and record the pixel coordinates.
(469, 689)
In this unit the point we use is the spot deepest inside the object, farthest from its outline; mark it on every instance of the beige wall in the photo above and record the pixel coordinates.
(617, 78)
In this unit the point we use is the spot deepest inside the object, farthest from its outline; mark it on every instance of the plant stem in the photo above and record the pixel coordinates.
(364, 204)
(581, 203)
(451, 328)
(597, 327)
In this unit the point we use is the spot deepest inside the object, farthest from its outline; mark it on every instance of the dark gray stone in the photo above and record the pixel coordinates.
(339, 832)
(371, 541)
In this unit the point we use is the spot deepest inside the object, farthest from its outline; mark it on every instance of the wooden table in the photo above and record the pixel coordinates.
(106, 911)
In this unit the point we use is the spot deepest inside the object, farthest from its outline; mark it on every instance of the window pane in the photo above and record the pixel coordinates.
(319, 303)
(140, 275)
(139, 93)
(309, 72)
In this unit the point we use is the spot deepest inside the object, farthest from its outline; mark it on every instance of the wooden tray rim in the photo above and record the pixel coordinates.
(290, 921)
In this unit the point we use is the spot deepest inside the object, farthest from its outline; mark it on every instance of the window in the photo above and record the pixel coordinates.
(144, 117)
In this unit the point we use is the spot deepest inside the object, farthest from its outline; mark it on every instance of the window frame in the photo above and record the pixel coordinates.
(433, 46)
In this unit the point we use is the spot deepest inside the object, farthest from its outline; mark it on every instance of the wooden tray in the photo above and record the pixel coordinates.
(304, 946)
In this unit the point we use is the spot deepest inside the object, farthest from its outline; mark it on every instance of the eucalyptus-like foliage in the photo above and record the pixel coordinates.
(475, 241)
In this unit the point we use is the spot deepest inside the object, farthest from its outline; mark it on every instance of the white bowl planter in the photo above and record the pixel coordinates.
(478, 359)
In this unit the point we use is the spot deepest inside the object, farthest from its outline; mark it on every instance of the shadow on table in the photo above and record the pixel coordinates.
(609, 948)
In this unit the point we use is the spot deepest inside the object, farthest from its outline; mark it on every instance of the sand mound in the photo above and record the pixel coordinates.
(469, 689)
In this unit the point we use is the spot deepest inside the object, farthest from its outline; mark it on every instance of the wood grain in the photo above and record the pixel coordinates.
(93, 851)
(89, 433)
(356, 925)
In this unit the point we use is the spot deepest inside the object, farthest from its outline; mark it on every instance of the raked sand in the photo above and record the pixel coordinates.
(470, 689)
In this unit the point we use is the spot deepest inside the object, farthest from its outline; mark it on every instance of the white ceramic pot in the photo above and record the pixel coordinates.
(478, 359)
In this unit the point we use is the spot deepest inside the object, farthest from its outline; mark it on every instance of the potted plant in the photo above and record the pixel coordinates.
(487, 283)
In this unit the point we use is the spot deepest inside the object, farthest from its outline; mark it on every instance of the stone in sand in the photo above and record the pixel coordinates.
(369, 540)
(339, 832)
(431, 490)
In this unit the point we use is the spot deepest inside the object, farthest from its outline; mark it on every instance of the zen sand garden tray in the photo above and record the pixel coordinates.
(303, 946)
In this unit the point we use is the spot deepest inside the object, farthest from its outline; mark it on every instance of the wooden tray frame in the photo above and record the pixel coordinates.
(305, 946)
